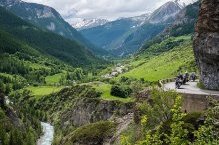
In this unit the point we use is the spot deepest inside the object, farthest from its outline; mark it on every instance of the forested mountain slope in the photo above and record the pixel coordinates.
(47, 18)
(46, 42)
(182, 25)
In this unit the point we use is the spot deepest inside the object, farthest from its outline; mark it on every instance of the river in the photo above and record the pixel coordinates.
(48, 130)
(48, 133)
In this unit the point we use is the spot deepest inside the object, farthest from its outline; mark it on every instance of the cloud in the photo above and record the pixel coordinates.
(108, 9)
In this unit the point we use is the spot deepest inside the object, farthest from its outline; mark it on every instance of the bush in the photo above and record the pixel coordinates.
(95, 132)
(122, 92)
(124, 80)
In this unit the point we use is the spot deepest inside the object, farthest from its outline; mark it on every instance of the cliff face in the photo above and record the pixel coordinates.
(206, 43)
(87, 111)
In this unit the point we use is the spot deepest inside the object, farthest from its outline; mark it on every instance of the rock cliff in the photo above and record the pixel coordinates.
(87, 111)
(206, 44)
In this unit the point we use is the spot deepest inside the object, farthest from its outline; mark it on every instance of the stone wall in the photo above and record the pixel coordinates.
(206, 43)
(196, 103)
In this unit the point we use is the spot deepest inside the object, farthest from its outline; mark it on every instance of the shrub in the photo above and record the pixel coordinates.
(122, 92)
(95, 132)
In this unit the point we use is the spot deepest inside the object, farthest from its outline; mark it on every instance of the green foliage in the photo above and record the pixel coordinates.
(77, 74)
(208, 133)
(120, 91)
(94, 132)
(18, 128)
(55, 79)
(41, 91)
(165, 45)
(105, 90)
(152, 139)
(191, 13)
(24, 56)
(165, 65)
(178, 133)
(201, 85)
(47, 43)
(158, 109)
(56, 103)
(61, 26)
(178, 128)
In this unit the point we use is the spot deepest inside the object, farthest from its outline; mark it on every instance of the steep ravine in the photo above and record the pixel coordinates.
(76, 108)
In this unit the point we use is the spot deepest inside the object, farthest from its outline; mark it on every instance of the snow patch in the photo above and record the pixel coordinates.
(80, 24)
(45, 13)
(51, 27)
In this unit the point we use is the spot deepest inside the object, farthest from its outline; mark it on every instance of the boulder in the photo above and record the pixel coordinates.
(206, 44)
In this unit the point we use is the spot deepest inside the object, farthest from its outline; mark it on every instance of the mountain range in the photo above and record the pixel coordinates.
(126, 35)
(47, 18)
(81, 24)
(121, 37)
(182, 25)
(44, 42)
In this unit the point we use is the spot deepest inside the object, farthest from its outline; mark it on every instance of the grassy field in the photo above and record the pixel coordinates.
(105, 90)
(43, 90)
(163, 66)
(53, 79)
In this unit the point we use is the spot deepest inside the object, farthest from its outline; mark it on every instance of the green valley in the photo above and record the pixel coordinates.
(146, 81)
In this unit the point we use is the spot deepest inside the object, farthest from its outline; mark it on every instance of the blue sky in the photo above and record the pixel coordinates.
(107, 9)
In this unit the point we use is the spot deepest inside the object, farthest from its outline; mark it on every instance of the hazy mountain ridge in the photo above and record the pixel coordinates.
(129, 34)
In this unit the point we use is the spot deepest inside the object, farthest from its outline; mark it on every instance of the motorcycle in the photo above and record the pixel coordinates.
(193, 77)
(178, 83)
(185, 78)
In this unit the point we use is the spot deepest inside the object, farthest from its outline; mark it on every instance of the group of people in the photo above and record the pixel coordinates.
(182, 79)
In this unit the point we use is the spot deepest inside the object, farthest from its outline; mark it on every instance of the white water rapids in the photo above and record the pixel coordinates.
(48, 133)
(48, 130)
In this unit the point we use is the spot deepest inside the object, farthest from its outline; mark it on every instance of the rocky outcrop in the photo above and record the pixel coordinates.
(87, 111)
(206, 44)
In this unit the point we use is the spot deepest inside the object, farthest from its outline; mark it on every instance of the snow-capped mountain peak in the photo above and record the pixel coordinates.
(87, 23)
(165, 12)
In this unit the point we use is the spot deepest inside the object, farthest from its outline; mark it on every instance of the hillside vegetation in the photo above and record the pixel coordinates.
(47, 18)
(45, 77)
(163, 60)
(46, 42)
(34, 57)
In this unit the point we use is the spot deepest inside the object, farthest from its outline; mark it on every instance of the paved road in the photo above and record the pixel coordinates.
(47, 137)
(190, 88)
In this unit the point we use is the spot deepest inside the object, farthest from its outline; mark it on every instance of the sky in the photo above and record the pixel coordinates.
(106, 9)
